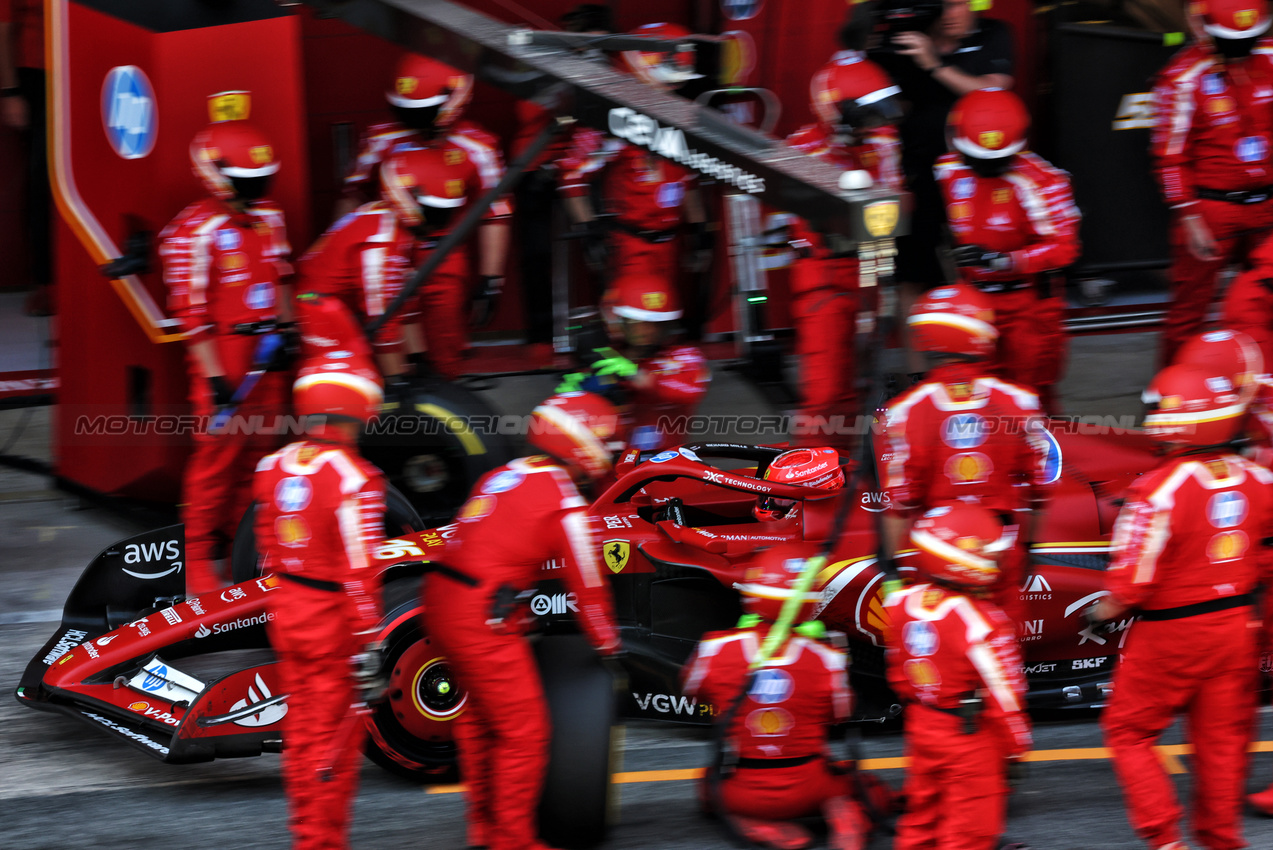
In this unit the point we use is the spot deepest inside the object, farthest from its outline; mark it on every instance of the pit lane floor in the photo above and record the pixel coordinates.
(64, 785)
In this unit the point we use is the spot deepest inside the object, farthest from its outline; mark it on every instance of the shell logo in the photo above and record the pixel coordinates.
(139, 706)
(453, 156)
(477, 507)
(654, 300)
(960, 210)
(292, 531)
(1220, 104)
(1245, 18)
(233, 262)
(454, 188)
(407, 85)
(405, 180)
(968, 468)
(990, 139)
(770, 722)
(1170, 402)
(261, 154)
(1227, 546)
(922, 673)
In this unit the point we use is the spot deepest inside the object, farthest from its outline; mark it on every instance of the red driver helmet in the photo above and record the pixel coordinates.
(1193, 406)
(854, 94)
(807, 467)
(661, 70)
(955, 319)
(428, 95)
(988, 127)
(1233, 25)
(579, 429)
(425, 185)
(960, 544)
(1226, 352)
(233, 159)
(768, 578)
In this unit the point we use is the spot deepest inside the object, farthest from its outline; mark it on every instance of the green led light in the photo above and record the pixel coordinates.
(757, 299)
(1171, 39)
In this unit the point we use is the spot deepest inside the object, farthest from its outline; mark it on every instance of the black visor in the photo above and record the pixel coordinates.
(422, 119)
(856, 116)
(990, 167)
(250, 188)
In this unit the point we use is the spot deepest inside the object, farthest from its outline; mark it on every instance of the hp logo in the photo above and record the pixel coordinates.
(128, 112)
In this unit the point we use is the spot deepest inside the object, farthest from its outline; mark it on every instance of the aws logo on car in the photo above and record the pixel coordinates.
(128, 112)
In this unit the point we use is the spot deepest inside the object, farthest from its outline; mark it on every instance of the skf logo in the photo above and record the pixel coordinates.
(881, 218)
(1135, 112)
(1245, 18)
(991, 139)
(615, 553)
(407, 85)
(654, 300)
(455, 188)
(453, 156)
(261, 154)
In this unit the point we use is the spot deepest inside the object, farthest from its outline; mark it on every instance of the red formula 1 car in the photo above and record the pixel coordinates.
(193, 679)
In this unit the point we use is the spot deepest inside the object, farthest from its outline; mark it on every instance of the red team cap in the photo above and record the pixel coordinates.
(852, 87)
(661, 69)
(988, 124)
(806, 467)
(960, 544)
(230, 151)
(1192, 405)
(423, 83)
(768, 580)
(643, 298)
(415, 179)
(955, 319)
(1226, 352)
(579, 429)
(1232, 19)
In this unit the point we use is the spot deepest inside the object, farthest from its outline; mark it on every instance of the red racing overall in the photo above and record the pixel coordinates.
(664, 394)
(519, 517)
(1213, 125)
(943, 648)
(825, 296)
(1248, 303)
(222, 270)
(1185, 555)
(321, 512)
(781, 728)
(1029, 214)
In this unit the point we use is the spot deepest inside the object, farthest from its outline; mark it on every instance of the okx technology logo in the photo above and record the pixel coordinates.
(128, 112)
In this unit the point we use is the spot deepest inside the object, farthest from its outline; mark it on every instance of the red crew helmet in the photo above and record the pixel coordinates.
(768, 581)
(960, 544)
(426, 185)
(1226, 352)
(1193, 406)
(328, 324)
(428, 95)
(661, 69)
(854, 93)
(1232, 20)
(988, 125)
(341, 386)
(233, 159)
(807, 467)
(955, 319)
(643, 298)
(579, 429)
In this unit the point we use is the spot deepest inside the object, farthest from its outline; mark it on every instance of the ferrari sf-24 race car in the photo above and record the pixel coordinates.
(192, 679)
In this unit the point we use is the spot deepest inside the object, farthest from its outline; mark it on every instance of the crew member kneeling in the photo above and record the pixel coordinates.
(518, 517)
(780, 730)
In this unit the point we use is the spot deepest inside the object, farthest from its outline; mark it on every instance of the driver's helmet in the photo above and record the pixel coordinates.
(1226, 352)
(661, 70)
(1193, 406)
(954, 320)
(852, 93)
(960, 544)
(581, 430)
(233, 160)
(988, 126)
(768, 579)
(426, 186)
(805, 467)
(1234, 26)
(428, 96)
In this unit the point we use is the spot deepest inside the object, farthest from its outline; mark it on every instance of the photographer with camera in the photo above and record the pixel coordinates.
(937, 51)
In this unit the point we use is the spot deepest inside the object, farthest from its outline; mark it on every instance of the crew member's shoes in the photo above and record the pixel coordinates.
(1262, 802)
(776, 834)
(1176, 845)
(848, 827)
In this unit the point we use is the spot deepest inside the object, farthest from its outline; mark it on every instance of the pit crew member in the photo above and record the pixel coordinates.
(647, 197)
(777, 768)
(1210, 141)
(367, 256)
(320, 514)
(964, 434)
(953, 661)
(857, 106)
(1012, 222)
(1215, 508)
(519, 516)
(1248, 302)
(428, 100)
(225, 266)
(657, 382)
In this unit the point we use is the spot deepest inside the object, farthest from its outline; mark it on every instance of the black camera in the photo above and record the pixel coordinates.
(894, 16)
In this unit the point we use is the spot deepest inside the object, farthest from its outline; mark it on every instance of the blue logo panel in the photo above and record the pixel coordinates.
(129, 112)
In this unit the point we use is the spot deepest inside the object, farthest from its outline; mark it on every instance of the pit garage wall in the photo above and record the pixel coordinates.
(115, 361)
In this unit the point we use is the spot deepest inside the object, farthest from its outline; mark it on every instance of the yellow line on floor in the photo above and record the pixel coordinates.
(1169, 754)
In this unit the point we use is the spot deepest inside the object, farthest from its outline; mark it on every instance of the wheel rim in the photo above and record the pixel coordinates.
(423, 693)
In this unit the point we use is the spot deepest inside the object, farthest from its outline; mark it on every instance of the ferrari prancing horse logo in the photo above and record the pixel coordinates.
(615, 554)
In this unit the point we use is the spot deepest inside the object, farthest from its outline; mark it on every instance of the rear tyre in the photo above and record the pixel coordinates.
(577, 802)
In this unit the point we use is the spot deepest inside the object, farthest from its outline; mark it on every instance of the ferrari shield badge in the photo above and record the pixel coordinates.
(881, 218)
(615, 554)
